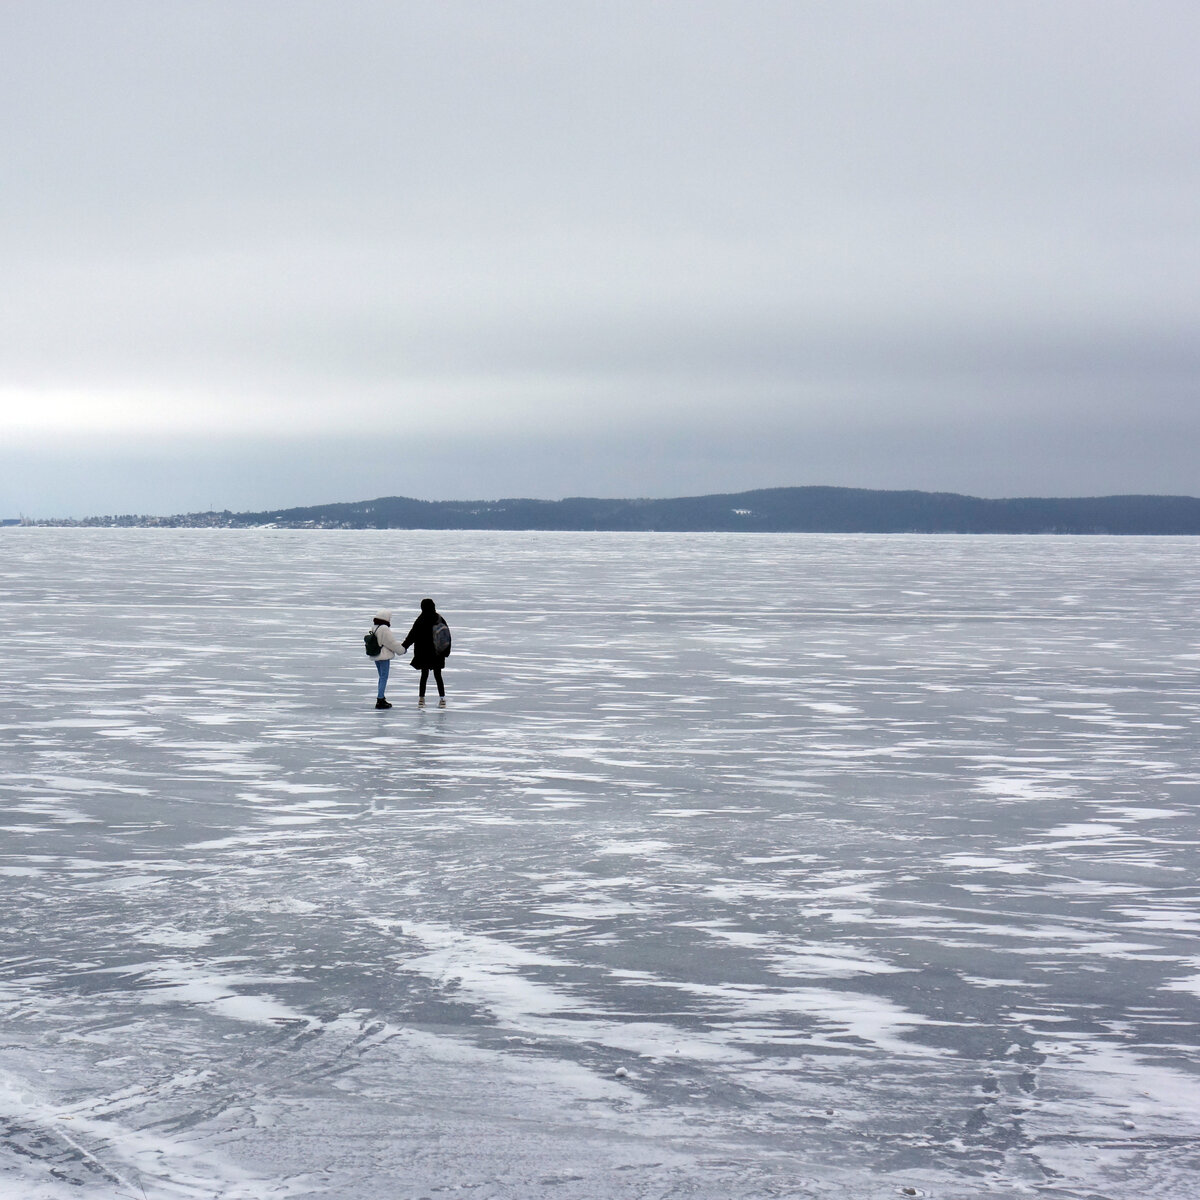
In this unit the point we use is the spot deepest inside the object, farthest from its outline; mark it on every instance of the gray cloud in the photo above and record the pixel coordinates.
(911, 244)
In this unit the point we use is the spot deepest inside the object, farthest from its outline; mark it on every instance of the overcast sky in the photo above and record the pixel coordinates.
(279, 252)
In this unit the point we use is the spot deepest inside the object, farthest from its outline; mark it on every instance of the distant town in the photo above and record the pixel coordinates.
(205, 520)
(768, 510)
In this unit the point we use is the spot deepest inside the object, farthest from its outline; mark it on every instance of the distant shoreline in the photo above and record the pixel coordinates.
(767, 510)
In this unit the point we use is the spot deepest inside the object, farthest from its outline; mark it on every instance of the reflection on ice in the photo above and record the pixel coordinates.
(735, 867)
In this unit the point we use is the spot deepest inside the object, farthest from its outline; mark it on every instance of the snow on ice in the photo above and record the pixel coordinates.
(736, 866)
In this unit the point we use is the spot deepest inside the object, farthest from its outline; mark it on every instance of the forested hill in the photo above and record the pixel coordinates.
(770, 510)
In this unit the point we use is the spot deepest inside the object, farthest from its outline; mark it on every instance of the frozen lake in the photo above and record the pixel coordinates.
(775, 866)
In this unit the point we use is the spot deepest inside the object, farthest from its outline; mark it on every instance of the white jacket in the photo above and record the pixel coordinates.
(388, 646)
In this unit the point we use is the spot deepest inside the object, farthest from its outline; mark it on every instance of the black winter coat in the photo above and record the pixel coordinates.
(420, 638)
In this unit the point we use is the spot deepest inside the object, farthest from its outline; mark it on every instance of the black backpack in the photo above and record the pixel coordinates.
(371, 641)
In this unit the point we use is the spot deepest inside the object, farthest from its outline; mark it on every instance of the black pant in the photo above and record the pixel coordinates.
(437, 678)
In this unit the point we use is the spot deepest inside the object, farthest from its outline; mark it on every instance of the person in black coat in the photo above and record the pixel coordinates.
(425, 658)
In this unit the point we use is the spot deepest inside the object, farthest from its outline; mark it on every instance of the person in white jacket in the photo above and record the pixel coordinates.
(388, 649)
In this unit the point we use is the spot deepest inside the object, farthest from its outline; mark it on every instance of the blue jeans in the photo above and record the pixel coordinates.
(383, 665)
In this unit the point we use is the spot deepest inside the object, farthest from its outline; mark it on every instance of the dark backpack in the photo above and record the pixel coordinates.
(371, 641)
(441, 638)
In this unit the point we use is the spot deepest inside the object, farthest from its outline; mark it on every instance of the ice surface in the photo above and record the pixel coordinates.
(736, 867)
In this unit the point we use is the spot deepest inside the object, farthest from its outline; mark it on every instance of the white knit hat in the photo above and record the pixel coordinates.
(383, 615)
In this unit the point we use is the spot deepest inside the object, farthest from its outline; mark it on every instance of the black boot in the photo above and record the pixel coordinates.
(382, 703)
